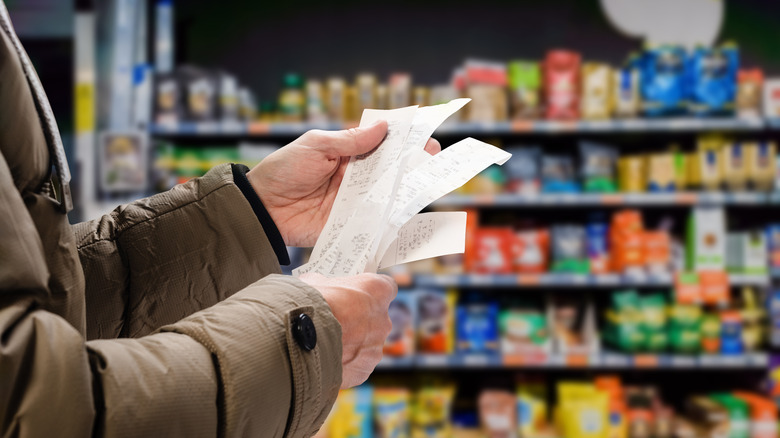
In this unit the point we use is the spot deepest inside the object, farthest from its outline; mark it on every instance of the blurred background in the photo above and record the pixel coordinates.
(619, 274)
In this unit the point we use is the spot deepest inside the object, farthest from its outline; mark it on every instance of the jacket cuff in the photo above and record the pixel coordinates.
(270, 385)
(273, 234)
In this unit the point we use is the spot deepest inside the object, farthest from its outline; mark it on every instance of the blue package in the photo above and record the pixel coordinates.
(364, 395)
(662, 82)
(558, 175)
(477, 327)
(773, 237)
(596, 243)
(402, 312)
(711, 76)
(731, 336)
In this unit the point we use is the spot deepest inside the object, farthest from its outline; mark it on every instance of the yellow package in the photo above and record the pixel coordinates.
(583, 411)
(694, 173)
(420, 96)
(660, 172)
(596, 101)
(709, 161)
(431, 412)
(631, 174)
(392, 411)
(531, 409)
(735, 167)
(351, 106)
(760, 157)
(351, 415)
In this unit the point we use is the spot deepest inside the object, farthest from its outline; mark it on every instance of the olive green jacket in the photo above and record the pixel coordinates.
(167, 317)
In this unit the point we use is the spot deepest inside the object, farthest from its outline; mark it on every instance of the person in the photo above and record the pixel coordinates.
(168, 316)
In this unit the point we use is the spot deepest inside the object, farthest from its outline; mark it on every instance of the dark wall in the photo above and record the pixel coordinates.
(260, 41)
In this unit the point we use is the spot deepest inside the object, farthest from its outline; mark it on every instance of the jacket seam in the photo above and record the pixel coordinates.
(119, 232)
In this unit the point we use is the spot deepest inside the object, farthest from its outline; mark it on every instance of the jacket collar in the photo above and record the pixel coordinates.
(50, 130)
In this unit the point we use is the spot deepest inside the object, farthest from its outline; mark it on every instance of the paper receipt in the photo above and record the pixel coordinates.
(374, 222)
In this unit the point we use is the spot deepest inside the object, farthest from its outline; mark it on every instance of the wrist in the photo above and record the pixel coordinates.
(241, 178)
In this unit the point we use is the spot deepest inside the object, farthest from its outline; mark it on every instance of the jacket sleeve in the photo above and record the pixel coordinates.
(230, 370)
(157, 260)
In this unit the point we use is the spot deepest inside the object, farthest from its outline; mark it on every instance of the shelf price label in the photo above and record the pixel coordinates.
(646, 361)
(611, 199)
(529, 279)
(522, 126)
(259, 128)
(686, 198)
(576, 360)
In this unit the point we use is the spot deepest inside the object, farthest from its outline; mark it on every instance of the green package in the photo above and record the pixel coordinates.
(656, 341)
(653, 312)
(684, 339)
(212, 157)
(188, 163)
(685, 315)
(625, 337)
(523, 326)
(525, 80)
(739, 418)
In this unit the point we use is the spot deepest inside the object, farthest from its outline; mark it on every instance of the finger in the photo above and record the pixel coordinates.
(383, 287)
(348, 142)
(432, 147)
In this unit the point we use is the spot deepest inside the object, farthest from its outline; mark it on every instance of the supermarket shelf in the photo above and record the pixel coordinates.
(559, 361)
(610, 199)
(477, 128)
(232, 129)
(564, 280)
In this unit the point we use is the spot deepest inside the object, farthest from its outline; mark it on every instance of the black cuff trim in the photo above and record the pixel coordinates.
(271, 232)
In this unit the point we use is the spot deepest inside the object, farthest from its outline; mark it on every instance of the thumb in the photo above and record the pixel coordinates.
(347, 142)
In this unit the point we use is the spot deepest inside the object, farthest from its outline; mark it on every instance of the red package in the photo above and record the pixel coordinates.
(531, 251)
(492, 251)
(561, 73)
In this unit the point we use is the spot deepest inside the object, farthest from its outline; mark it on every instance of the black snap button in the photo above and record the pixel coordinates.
(304, 332)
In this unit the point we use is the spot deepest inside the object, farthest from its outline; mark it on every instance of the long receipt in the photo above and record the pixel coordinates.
(375, 221)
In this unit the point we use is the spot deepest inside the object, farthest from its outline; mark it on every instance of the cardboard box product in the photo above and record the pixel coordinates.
(524, 88)
(336, 97)
(706, 239)
(315, 102)
(749, 83)
(400, 90)
(772, 98)
(734, 165)
(596, 100)
(747, 253)
(626, 92)
(761, 168)
(366, 91)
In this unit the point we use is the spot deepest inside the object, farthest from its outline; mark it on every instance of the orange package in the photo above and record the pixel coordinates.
(656, 248)
(531, 251)
(714, 287)
(472, 225)
(492, 252)
(763, 415)
(626, 240)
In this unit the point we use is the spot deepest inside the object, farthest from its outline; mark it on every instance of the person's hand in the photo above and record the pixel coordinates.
(360, 305)
(298, 183)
